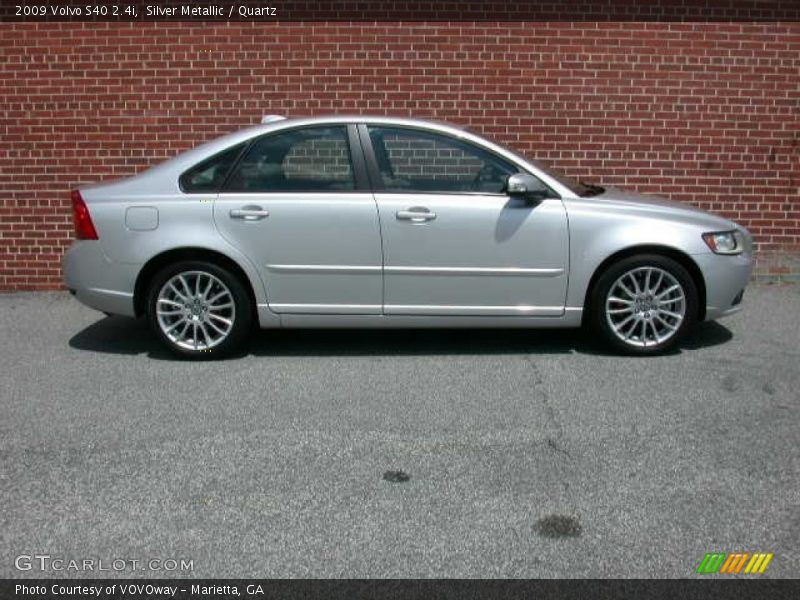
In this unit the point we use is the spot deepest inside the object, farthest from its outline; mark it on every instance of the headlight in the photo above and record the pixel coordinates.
(725, 242)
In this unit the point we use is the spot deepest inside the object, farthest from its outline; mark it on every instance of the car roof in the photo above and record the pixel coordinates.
(276, 122)
(361, 118)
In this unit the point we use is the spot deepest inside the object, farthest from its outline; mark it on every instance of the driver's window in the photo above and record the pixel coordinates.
(419, 161)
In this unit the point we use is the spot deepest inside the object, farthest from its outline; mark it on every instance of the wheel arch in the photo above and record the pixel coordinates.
(159, 261)
(680, 257)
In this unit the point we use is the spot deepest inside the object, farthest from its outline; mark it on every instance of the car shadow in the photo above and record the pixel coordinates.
(121, 335)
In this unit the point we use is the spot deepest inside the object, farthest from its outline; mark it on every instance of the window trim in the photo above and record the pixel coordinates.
(376, 180)
(360, 181)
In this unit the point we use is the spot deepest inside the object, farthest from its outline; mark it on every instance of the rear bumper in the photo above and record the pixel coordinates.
(726, 277)
(96, 281)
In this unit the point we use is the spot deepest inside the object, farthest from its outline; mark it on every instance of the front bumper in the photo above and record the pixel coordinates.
(726, 277)
(96, 281)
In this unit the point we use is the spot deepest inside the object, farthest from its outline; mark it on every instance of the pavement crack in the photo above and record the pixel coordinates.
(555, 447)
(554, 442)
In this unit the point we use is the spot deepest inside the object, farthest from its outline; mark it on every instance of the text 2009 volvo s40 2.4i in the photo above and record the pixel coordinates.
(387, 222)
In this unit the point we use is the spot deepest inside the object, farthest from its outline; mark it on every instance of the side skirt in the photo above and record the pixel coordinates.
(269, 320)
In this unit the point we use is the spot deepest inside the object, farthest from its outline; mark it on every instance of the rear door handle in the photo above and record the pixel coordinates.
(249, 213)
(416, 214)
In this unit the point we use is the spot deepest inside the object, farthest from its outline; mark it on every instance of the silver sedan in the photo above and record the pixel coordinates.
(385, 222)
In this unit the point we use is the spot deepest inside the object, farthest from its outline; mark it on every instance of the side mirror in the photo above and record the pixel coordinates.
(522, 185)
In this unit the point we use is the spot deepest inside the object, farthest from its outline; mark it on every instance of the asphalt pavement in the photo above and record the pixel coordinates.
(397, 453)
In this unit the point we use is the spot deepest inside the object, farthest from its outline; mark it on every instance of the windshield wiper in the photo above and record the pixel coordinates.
(591, 189)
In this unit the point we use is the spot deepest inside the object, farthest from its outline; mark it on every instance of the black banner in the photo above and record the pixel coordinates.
(254, 589)
(400, 10)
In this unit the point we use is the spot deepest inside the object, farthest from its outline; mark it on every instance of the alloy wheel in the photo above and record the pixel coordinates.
(195, 310)
(645, 306)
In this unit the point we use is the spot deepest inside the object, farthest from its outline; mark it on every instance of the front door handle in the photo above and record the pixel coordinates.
(415, 214)
(249, 213)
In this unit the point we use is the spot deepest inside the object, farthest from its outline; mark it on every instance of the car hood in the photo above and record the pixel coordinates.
(623, 200)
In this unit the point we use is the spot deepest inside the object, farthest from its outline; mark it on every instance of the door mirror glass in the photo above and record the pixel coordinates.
(523, 185)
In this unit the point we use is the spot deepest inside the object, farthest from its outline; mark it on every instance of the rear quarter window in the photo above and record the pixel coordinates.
(210, 174)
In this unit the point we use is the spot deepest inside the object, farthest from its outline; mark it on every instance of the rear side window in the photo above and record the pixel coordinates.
(311, 159)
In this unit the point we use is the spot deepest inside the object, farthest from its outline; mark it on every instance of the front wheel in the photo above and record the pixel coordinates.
(199, 309)
(644, 304)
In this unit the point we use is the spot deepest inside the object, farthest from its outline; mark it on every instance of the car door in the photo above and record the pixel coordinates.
(454, 243)
(297, 203)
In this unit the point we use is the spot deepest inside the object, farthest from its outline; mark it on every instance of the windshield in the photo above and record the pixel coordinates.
(579, 188)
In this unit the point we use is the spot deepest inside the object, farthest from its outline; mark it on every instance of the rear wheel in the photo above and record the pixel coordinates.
(199, 309)
(644, 304)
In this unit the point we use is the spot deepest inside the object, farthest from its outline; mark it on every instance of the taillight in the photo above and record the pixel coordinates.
(84, 228)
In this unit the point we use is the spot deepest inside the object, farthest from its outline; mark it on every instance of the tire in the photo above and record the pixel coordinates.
(199, 310)
(644, 304)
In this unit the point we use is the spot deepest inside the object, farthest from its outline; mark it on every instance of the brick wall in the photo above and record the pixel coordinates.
(706, 113)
